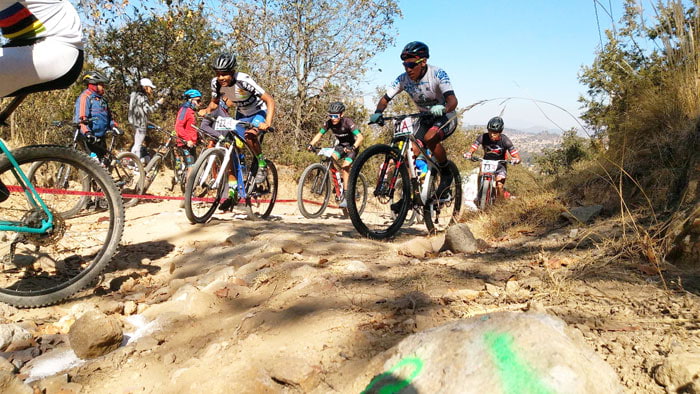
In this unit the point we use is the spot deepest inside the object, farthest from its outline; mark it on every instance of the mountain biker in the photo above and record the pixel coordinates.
(93, 114)
(431, 90)
(252, 104)
(183, 125)
(349, 140)
(44, 49)
(495, 145)
(139, 108)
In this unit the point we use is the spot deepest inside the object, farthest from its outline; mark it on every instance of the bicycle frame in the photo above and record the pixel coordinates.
(31, 195)
(403, 140)
(228, 125)
(331, 171)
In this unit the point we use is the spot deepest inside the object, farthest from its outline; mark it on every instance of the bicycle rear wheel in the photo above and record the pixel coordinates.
(261, 197)
(56, 175)
(38, 269)
(378, 220)
(444, 208)
(128, 174)
(202, 197)
(313, 191)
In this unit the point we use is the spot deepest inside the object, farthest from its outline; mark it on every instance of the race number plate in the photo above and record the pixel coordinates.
(406, 127)
(225, 124)
(326, 152)
(489, 166)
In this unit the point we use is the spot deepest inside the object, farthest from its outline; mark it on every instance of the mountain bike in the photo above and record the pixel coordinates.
(125, 167)
(319, 181)
(486, 195)
(46, 256)
(207, 184)
(396, 188)
(168, 154)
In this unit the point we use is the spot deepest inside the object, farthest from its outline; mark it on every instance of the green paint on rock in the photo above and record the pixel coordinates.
(516, 375)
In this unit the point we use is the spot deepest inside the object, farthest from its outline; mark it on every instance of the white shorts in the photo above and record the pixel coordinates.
(42, 62)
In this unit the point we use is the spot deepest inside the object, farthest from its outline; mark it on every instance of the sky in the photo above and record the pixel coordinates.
(504, 48)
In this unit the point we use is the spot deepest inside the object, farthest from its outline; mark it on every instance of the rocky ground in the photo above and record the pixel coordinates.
(298, 305)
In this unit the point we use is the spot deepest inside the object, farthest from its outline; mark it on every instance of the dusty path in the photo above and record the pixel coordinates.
(298, 305)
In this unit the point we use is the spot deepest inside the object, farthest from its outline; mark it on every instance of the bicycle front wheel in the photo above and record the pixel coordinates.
(202, 195)
(314, 191)
(444, 206)
(261, 197)
(128, 174)
(382, 216)
(38, 269)
(486, 194)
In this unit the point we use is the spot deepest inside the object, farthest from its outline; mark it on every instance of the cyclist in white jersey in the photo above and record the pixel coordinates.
(431, 90)
(43, 47)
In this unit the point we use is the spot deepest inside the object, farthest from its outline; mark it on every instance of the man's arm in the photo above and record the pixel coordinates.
(270, 103)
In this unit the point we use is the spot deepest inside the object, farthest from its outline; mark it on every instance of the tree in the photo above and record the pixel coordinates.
(300, 49)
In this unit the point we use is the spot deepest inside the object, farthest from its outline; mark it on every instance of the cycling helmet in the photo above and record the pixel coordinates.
(495, 124)
(94, 77)
(192, 93)
(415, 49)
(336, 107)
(225, 62)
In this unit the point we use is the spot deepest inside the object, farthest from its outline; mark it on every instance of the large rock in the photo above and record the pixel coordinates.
(498, 353)
(13, 338)
(680, 372)
(459, 239)
(94, 334)
(9, 383)
(583, 214)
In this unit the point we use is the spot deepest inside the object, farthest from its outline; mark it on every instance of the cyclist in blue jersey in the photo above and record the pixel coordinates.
(431, 90)
(93, 114)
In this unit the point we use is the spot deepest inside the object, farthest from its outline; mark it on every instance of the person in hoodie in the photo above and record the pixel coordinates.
(139, 108)
(92, 113)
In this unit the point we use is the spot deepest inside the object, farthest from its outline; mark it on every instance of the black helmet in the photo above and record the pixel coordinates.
(95, 77)
(336, 107)
(225, 62)
(495, 124)
(415, 49)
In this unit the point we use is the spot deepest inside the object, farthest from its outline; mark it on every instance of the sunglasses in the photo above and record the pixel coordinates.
(413, 64)
(334, 116)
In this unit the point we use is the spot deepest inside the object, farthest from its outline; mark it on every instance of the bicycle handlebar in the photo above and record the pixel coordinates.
(404, 116)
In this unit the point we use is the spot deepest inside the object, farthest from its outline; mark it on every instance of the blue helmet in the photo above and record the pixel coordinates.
(192, 93)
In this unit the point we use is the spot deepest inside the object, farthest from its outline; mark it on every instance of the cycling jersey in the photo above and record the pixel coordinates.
(495, 150)
(244, 93)
(44, 49)
(28, 20)
(345, 131)
(430, 90)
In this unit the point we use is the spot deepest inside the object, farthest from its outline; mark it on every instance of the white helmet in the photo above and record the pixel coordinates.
(147, 82)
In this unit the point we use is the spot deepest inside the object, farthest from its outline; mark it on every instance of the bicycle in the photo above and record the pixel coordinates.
(46, 256)
(486, 195)
(172, 155)
(207, 184)
(125, 167)
(318, 181)
(387, 166)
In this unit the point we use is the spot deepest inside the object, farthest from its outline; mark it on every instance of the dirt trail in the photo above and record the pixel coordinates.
(298, 305)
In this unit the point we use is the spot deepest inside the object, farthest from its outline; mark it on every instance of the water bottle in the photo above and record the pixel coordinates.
(421, 167)
(93, 156)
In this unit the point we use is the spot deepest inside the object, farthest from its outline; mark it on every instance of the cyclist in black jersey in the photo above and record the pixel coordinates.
(431, 90)
(349, 140)
(495, 145)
